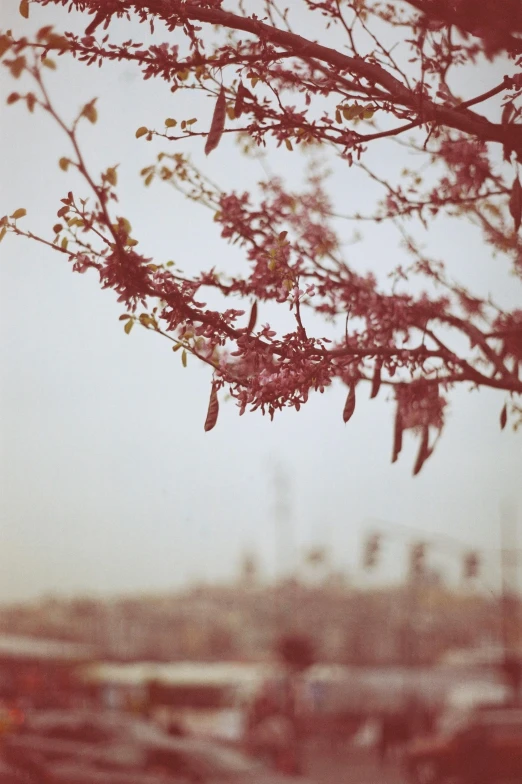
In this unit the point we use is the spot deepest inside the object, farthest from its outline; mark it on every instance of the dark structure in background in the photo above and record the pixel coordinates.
(40, 673)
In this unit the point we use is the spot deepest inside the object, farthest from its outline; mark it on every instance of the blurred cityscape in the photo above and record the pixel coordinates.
(313, 675)
(416, 622)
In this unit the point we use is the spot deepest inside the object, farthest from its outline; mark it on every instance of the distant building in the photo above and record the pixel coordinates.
(41, 672)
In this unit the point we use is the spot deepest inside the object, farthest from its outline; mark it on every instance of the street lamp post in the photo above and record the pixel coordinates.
(512, 664)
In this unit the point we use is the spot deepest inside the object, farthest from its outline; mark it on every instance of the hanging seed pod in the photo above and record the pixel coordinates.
(241, 94)
(503, 417)
(349, 406)
(213, 410)
(376, 380)
(253, 318)
(515, 203)
(397, 435)
(218, 123)
(424, 450)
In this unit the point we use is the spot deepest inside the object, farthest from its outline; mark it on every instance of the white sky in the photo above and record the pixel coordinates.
(108, 481)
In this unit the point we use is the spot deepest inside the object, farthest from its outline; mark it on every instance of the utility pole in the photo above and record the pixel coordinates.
(282, 522)
(283, 542)
(509, 599)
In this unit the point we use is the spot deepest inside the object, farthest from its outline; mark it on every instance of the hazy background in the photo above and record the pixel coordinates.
(108, 481)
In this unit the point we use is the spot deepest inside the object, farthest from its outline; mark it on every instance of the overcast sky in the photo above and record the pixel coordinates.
(108, 482)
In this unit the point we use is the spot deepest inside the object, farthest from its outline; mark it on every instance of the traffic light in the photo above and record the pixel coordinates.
(417, 559)
(371, 551)
(471, 565)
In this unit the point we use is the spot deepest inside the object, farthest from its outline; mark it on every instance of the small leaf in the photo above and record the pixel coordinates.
(169, 122)
(397, 436)
(125, 224)
(241, 94)
(19, 213)
(503, 417)
(5, 44)
(24, 9)
(128, 326)
(507, 113)
(3, 233)
(49, 63)
(376, 380)
(63, 163)
(184, 358)
(349, 406)
(141, 131)
(253, 318)
(57, 228)
(31, 101)
(148, 179)
(55, 41)
(44, 32)
(218, 123)
(177, 347)
(13, 98)
(424, 450)
(213, 410)
(148, 321)
(89, 111)
(288, 145)
(515, 203)
(111, 175)
(17, 66)
(124, 317)
(64, 243)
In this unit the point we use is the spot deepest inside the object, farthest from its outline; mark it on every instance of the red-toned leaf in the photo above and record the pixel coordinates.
(424, 450)
(213, 410)
(218, 123)
(5, 44)
(515, 203)
(349, 406)
(241, 94)
(397, 436)
(98, 19)
(253, 318)
(44, 32)
(503, 417)
(507, 113)
(376, 380)
(89, 111)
